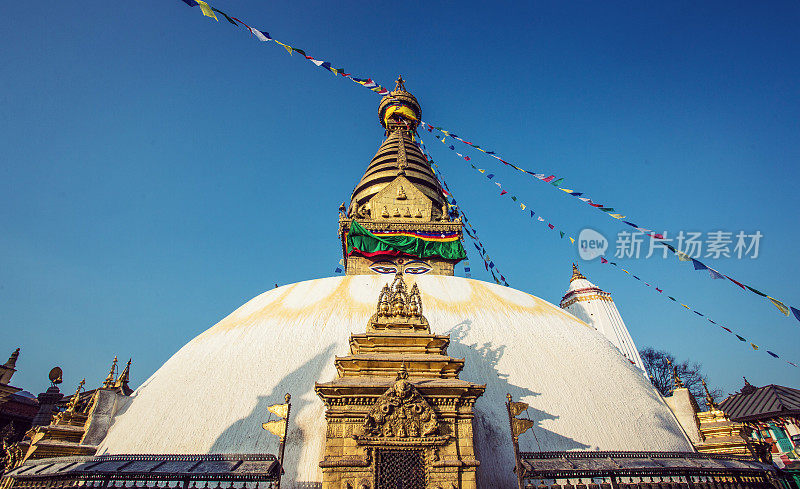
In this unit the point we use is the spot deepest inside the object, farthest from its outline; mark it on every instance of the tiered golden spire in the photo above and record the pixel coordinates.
(677, 382)
(576, 274)
(109, 382)
(125, 376)
(12, 360)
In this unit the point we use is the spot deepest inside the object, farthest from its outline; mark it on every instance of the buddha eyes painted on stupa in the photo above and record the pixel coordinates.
(417, 267)
(384, 267)
(414, 267)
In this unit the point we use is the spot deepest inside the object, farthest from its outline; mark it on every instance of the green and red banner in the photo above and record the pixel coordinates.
(414, 243)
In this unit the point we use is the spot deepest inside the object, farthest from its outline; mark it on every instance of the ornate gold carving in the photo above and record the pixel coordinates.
(401, 412)
(364, 211)
(394, 301)
(401, 194)
(13, 455)
(601, 296)
(109, 382)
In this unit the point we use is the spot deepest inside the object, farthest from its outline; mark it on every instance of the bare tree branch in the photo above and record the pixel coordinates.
(657, 363)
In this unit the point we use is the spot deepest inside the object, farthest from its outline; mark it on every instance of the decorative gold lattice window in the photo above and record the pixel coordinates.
(400, 469)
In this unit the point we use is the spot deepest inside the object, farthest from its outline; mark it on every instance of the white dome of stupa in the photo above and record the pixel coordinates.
(212, 395)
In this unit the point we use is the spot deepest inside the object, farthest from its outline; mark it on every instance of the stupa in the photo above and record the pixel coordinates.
(596, 307)
(399, 372)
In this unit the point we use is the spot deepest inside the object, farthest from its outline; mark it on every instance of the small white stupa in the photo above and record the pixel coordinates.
(595, 307)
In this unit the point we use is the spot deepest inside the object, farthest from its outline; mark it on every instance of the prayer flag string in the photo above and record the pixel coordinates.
(698, 265)
(209, 11)
(264, 36)
(524, 207)
(488, 263)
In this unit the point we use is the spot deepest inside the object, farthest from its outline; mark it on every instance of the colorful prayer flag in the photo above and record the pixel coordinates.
(780, 305)
(206, 8)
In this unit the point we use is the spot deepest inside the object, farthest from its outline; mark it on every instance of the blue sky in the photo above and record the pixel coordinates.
(160, 169)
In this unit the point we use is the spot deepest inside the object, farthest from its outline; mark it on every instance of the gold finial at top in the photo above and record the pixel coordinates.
(709, 400)
(125, 376)
(402, 374)
(400, 84)
(12, 360)
(109, 382)
(576, 274)
(677, 383)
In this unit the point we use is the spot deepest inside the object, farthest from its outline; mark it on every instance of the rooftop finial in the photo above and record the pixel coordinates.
(576, 274)
(677, 383)
(12, 360)
(403, 372)
(748, 387)
(400, 84)
(709, 400)
(125, 376)
(109, 382)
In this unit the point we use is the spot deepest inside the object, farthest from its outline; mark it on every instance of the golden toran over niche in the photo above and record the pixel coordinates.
(398, 415)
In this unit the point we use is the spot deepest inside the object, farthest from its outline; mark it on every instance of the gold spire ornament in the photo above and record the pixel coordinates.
(709, 400)
(576, 274)
(125, 376)
(109, 382)
(677, 383)
(399, 85)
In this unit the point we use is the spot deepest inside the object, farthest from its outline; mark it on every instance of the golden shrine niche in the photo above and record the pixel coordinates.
(398, 413)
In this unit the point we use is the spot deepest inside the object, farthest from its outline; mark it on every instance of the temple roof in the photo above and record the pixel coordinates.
(763, 402)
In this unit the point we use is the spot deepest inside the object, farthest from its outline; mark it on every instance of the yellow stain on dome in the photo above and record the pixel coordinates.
(353, 298)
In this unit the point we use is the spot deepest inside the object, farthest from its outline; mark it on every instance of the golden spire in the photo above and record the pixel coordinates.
(109, 382)
(709, 400)
(12, 360)
(677, 383)
(399, 85)
(576, 274)
(73, 403)
(125, 376)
